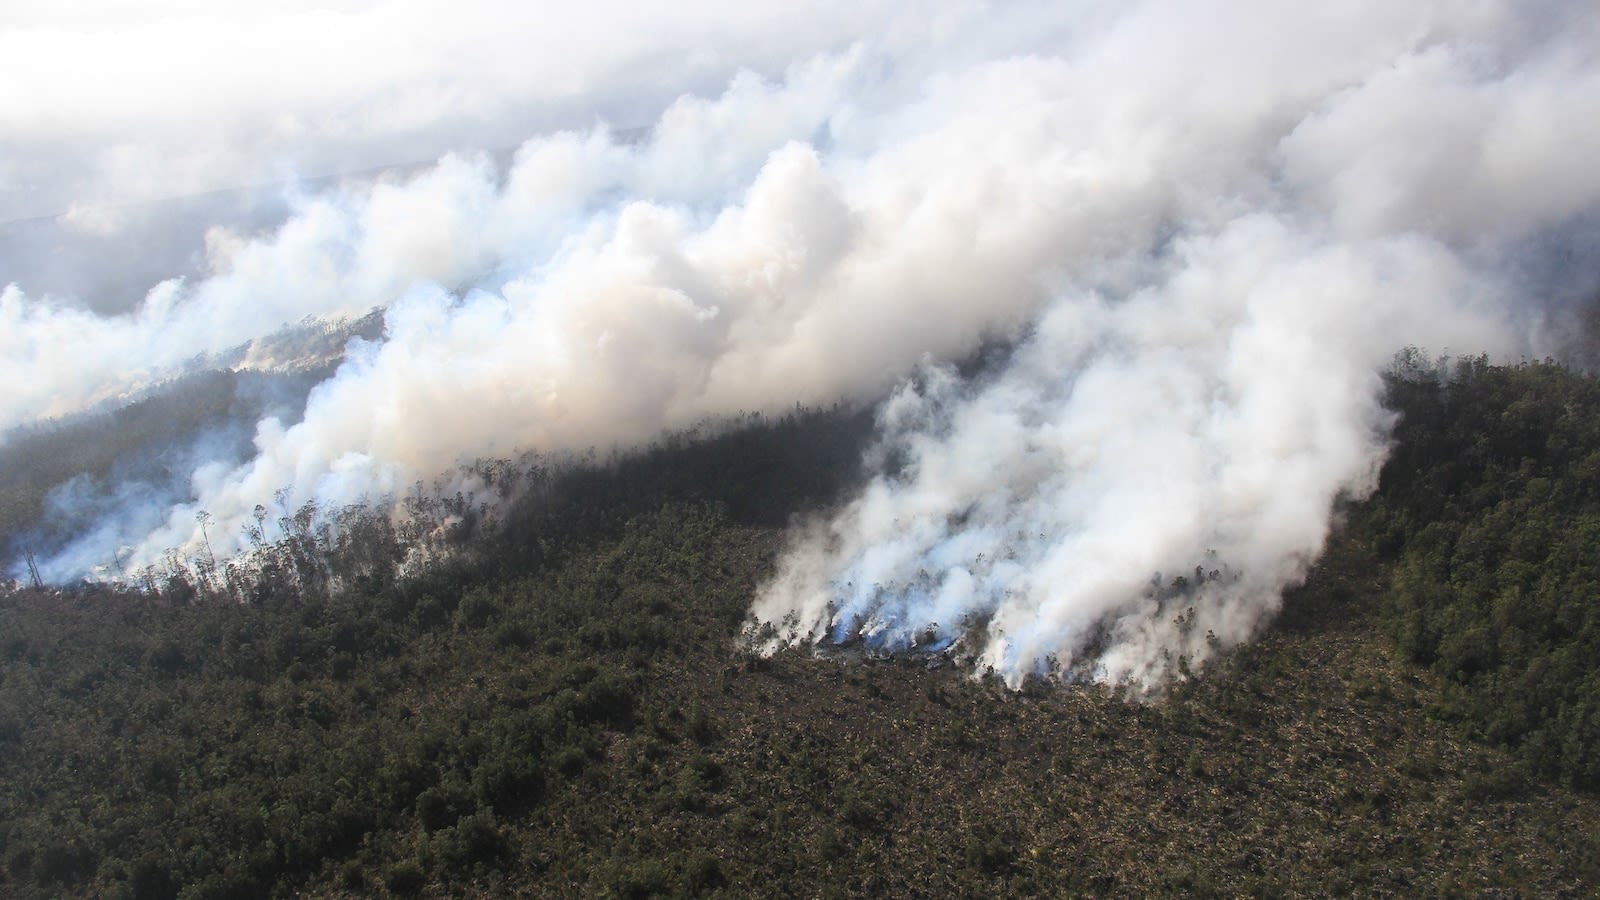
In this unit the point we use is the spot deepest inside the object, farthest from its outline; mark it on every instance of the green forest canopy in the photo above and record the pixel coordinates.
(561, 707)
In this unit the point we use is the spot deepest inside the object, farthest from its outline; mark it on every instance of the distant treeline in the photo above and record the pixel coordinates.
(142, 439)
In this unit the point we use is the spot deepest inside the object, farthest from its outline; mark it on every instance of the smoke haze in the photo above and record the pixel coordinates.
(1202, 228)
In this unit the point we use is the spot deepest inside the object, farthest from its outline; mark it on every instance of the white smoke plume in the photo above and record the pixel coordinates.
(1201, 425)
(1204, 227)
(1332, 189)
(593, 293)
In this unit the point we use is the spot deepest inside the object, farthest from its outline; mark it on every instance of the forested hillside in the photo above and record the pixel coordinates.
(563, 707)
(59, 477)
(1490, 510)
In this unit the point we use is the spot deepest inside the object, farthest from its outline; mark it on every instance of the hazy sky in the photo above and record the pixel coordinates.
(131, 128)
(111, 102)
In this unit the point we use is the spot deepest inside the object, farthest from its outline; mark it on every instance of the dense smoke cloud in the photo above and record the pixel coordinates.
(1199, 427)
(1197, 414)
(1204, 228)
(131, 129)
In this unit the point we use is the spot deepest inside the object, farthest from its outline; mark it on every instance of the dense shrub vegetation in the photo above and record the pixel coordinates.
(560, 707)
(1491, 508)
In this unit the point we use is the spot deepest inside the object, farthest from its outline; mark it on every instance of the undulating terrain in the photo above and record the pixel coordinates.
(566, 706)
(826, 448)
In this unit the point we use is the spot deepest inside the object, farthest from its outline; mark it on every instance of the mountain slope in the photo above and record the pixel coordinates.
(565, 709)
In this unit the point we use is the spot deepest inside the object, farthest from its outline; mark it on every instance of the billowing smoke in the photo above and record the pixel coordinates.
(1163, 453)
(1139, 482)
(1200, 228)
